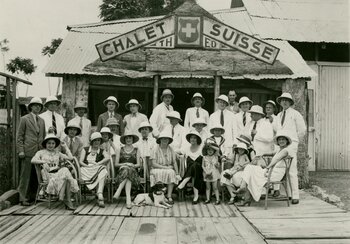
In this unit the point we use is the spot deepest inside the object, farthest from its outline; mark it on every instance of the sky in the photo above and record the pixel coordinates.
(29, 25)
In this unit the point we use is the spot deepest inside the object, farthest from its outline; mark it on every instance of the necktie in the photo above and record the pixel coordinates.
(167, 107)
(54, 123)
(37, 123)
(283, 117)
(71, 145)
(197, 113)
(254, 128)
(222, 118)
(145, 138)
(81, 123)
(244, 118)
(172, 131)
(110, 115)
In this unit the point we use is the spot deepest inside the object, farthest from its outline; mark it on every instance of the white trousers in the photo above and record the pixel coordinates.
(293, 171)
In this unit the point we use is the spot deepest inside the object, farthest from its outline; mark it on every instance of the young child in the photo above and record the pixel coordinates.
(217, 137)
(211, 173)
(199, 125)
(113, 125)
(107, 143)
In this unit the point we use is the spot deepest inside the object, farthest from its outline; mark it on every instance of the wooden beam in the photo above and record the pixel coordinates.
(217, 81)
(68, 96)
(8, 131)
(15, 78)
(15, 166)
(155, 90)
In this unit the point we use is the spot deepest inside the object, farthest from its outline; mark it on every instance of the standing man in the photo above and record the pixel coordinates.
(112, 104)
(196, 111)
(243, 117)
(293, 122)
(270, 109)
(226, 119)
(133, 120)
(54, 122)
(30, 134)
(158, 119)
(233, 105)
(85, 124)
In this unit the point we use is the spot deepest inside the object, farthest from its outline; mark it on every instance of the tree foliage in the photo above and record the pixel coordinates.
(24, 65)
(50, 50)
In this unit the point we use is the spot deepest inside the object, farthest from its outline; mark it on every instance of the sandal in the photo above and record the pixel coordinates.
(170, 201)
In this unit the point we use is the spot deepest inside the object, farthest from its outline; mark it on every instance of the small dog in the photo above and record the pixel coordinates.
(155, 197)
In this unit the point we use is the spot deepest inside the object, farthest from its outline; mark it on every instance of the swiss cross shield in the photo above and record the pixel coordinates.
(188, 31)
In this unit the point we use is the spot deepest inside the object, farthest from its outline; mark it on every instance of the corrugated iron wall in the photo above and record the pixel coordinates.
(333, 102)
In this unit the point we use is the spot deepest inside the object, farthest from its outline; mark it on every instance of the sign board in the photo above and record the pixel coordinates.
(167, 42)
(188, 31)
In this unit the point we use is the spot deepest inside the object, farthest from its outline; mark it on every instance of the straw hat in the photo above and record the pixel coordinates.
(199, 121)
(135, 138)
(282, 134)
(164, 134)
(242, 146)
(257, 110)
(222, 98)
(51, 137)
(145, 124)
(106, 130)
(50, 99)
(210, 143)
(80, 105)
(285, 95)
(72, 124)
(35, 100)
(112, 121)
(198, 95)
(245, 139)
(95, 135)
(167, 92)
(133, 101)
(217, 126)
(113, 99)
(194, 133)
(243, 100)
(174, 115)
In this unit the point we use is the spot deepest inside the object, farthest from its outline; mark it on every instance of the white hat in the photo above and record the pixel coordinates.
(95, 135)
(282, 133)
(242, 146)
(194, 133)
(52, 99)
(51, 136)
(270, 102)
(72, 124)
(35, 100)
(217, 126)
(223, 98)
(113, 99)
(165, 134)
(243, 100)
(198, 95)
(174, 115)
(135, 138)
(285, 95)
(166, 92)
(257, 110)
(106, 130)
(145, 124)
(112, 121)
(80, 105)
(199, 120)
(133, 101)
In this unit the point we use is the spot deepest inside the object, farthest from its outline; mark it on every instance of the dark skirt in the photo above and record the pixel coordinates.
(195, 171)
(126, 172)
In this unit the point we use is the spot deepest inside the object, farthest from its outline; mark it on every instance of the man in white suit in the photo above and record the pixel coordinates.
(54, 122)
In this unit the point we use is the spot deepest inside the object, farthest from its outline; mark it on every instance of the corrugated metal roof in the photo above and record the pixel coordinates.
(301, 20)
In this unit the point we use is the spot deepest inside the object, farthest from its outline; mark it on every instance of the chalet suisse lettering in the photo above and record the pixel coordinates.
(135, 39)
(241, 41)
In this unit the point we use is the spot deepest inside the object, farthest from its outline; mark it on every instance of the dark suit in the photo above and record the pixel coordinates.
(77, 146)
(29, 142)
(102, 121)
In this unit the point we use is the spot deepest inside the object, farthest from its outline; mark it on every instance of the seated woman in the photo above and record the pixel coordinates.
(127, 161)
(93, 161)
(163, 164)
(60, 180)
(255, 177)
(194, 171)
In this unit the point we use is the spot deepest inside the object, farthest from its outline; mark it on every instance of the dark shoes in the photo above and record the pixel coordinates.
(276, 193)
(295, 201)
(194, 202)
(69, 205)
(217, 202)
(207, 201)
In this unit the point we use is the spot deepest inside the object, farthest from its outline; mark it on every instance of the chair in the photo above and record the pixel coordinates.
(144, 173)
(42, 184)
(225, 164)
(284, 181)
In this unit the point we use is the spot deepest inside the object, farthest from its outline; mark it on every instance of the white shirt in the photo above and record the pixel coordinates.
(179, 137)
(158, 119)
(132, 122)
(294, 124)
(146, 146)
(47, 117)
(263, 139)
(116, 142)
(86, 130)
(230, 125)
(191, 116)
(241, 128)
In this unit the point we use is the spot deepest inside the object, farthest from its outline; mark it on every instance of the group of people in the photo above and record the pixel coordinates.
(210, 151)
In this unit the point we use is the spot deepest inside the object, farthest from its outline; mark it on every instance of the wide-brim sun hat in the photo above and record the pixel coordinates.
(285, 95)
(106, 130)
(242, 146)
(282, 134)
(112, 121)
(80, 105)
(243, 100)
(210, 144)
(174, 115)
(135, 138)
(257, 110)
(245, 139)
(164, 134)
(133, 101)
(198, 95)
(145, 124)
(218, 126)
(196, 134)
(51, 137)
(35, 100)
(95, 136)
(72, 124)
(167, 92)
(222, 98)
(51, 99)
(199, 121)
(113, 99)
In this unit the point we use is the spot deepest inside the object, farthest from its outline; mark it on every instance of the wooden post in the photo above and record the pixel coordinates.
(217, 81)
(8, 132)
(15, 173)
(155, 90)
